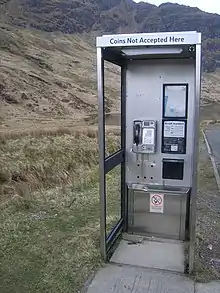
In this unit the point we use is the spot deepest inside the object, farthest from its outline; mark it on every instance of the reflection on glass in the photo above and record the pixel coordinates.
(112, 108)
(113, 198)
(175, 101)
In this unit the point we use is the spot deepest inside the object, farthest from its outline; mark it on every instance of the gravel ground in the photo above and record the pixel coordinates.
(208, 221)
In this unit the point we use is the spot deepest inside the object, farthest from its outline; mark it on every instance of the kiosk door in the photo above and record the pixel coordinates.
(110, 163)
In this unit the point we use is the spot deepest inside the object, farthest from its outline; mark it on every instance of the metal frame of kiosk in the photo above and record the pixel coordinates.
(160, 99)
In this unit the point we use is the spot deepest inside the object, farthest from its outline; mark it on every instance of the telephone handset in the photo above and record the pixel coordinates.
(137, 133)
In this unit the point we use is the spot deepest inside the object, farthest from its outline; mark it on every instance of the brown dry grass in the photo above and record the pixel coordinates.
(47, 77)
(49, 207)
(91, 131)
(31, 162)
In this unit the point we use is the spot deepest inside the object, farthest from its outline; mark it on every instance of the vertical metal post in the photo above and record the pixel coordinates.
(192, 226)
(101, 131)
(124, 207)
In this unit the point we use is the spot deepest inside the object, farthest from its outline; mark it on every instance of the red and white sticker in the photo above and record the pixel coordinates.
(156, 203)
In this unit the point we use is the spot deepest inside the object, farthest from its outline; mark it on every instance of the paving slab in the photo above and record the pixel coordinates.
(212, 287)
(127, 279)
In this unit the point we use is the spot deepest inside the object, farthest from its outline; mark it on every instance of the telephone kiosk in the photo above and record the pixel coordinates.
(160, 94)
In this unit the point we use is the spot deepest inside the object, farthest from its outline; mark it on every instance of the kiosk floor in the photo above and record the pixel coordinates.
(150, 253)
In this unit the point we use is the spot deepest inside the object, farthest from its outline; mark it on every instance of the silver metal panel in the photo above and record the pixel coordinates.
(196, 124)
(150, 39)
(100, 80)
(169, 224)
(145, 81)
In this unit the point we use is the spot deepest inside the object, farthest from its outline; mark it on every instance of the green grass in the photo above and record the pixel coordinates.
(49, 235)
(51, 246)
(49, 211)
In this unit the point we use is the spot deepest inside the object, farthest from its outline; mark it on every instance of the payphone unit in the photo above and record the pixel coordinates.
(160, 80)
(144, 134)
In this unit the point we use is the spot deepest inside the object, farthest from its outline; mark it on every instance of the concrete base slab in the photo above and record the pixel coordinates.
(167, 255)
(125, 279)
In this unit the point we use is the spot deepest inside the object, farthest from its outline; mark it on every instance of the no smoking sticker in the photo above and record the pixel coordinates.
(156, 202)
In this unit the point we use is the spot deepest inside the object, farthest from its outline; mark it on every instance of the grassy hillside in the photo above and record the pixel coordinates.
(45, 77)
(109, 16)
(49, 203)
(124, 16)
(49, 80)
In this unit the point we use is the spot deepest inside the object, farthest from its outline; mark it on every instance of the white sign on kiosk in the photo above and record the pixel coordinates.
(156, 203)
(174, 129)
(148, 136)
(153, 39)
